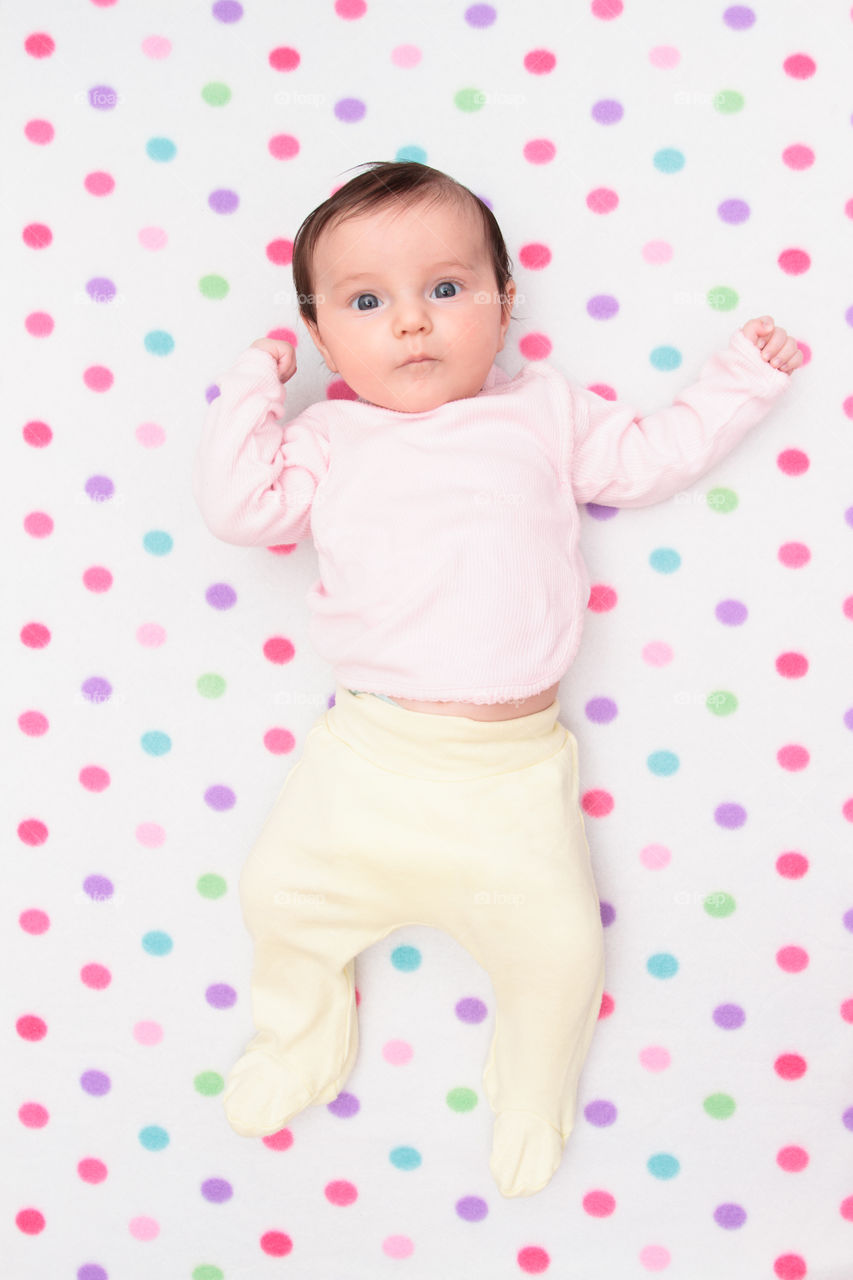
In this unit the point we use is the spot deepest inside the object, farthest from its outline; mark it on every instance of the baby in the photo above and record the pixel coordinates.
(442, 497)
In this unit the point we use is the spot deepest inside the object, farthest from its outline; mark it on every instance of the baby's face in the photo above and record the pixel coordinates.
(404, 282)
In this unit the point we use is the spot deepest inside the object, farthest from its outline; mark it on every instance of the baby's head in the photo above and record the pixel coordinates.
(402, 262)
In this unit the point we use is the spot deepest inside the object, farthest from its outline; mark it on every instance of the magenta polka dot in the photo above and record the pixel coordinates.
(350, 109)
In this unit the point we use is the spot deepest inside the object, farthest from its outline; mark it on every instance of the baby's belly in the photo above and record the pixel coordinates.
(485, 711)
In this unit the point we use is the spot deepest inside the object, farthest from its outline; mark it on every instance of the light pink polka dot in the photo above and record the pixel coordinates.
(655, 856)
(397, 1247)
(151, 835)
(406, 55)
(654, 1257)
(148, 1033)
(144, 1228)
(397, 1052)
(153, 238)
(664, 56)
(655, 1057)
(151, 635)
(156, 47)
(655, 251)
(539, 151)
(657, 653)
(150, 435)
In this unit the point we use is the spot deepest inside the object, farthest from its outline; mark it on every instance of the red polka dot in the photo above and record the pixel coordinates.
(280, 252)
(33, 1115)
(279, 650)
(794, 261)
(39, 45)
(792, 665)
(539, 151)
(793, 555)
(535, 346)
(534, 256)
(798, 157)
(790, 1066)
(276, 1244)
(30, 1027)
(789, 1266)
(602, 598)
(284, 59)
(29, 1221)
(539, 62)
(37, 236)
(792, 1159)
(597, 804)
(793, 462)
(341, 1192)
(792, 866)
(599, 1204)
(799, 66)
(793, 757)
(533, 1260)
(602, 200)
(792, 959)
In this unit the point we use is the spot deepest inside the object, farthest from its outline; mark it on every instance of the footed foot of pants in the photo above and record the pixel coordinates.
(526, 1153)
(261, 1095)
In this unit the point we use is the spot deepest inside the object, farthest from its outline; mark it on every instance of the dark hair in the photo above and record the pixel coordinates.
(384, 183)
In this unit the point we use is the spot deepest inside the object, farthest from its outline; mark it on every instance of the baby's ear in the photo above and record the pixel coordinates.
(321, 347)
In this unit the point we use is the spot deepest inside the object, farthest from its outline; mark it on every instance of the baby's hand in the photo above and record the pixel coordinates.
(774, 344)
(282, 353)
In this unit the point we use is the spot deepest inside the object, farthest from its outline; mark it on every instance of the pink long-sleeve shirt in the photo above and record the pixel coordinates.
(448, 540)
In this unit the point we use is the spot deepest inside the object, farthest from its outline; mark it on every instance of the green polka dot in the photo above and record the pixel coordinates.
(211, 886)
(469, 99)
(719, 1106)
(728, 101)
(211, 685)
(208, 1083)
(214, 287)
(721, 702)
(719, 904)
(721, 500)
(216, 94)
(722, 298)
(461, 1099)
(405, 1158)
(207, 1271)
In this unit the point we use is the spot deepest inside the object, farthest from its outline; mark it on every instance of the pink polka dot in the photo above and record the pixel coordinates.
(535, 346)
(533, 1260)
(792, 959)
(38, 524)
(37, 236)
(406, 55)
(789, 1266)
(39, 131)
(847, 1010)
(148, 1033)
(275, 1244)
(94, 779)
(97, 579)
(799, 66)
(539, 62)
(656, 251)
(34, 921)
(657, 653)
(792, 665)
(597, 803)
(664, 56)
(29, 1221)
(340, 1192)
(280, 1141)
(34, 724)
(398, 1247)
(655, 856)
(284, 59)
(39, 324)
(144, 1228)
(792, 866)
(534, 256)
(793, 462)
(37, 434)
(655, 1058)
(847, 810)
(97, 378)
(793, 555)
(599, 1204)
(31, 1028)
(847, 406)
(397, 1052)
(92, 1171)
(152, 238)
(602, 598)
(150, 435)
(790, 1066)
(39, 45)
(793, 757)
(798, 157)
(654, 1257)
(95, 976)
(279, 742)
(602, 200)
(283, 146)
(150, 835)
(33, 1115)
(99, 184)
(151, 635)
(156, 47)
(846, 1209)
(539, 151)
(792, 1159)
(350, 9)
(794, 262)
(848, 208)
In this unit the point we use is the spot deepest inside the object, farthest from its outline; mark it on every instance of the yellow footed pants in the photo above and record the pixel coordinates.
(394, 817)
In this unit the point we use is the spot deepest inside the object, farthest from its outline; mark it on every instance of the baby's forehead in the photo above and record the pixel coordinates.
(458, 229)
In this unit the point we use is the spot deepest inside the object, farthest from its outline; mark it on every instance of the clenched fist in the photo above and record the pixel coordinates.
(774, 344)
(282, 353)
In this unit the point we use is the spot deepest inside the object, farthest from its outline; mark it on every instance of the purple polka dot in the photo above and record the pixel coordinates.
(487, 202)
(730, 815)
(220, 996)
(602, 307)
(601, 710)
(738, 17)
(221, 595)
(607, 912)
(729, 1016)
(103, 97)
(350, 109)
(344, 1105)
(729, 1216)
(100, 289)
(480, 15)
(98, 888)
(848, 919)
(733, 211)
(731, 612)
(223, 201)
(227, 11)
(848, 315)
(212, 393)
(599, 511)
(848, 1118)
(99, 488)
(470, 1009)
(216, 1190)
(848, 718)
(848, 515)
(607, 111)
(96, 689)
(91, 1271)
(95, 1083)
(600, 1113)
(472, 1208)
(220, 798)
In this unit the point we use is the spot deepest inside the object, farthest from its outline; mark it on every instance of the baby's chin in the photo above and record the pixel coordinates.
(420, 396)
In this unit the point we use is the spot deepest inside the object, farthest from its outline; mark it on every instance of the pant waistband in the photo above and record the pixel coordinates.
(427, 745)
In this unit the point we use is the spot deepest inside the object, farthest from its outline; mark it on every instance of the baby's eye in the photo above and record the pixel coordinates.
(371, 306)
(444, 284)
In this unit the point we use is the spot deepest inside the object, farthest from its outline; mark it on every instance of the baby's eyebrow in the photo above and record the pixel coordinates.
(371, 275)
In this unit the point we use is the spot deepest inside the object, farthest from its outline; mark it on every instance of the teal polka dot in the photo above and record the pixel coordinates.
(156, 743)
(663, 1166)
(665, 560)
(669, 160)
(153, 1138)
(161, 149)
(157, 943)
(159, 343)
(662, 965)
(405, 1158)
(411, 153)
(406, 959)
(158, 542)
(665, 358)
(663, 763)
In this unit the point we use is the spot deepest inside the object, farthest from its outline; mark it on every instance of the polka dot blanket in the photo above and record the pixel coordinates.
(662, 172)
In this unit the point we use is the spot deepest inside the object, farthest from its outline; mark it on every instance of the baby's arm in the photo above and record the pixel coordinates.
(620, 457)
(254, 481)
